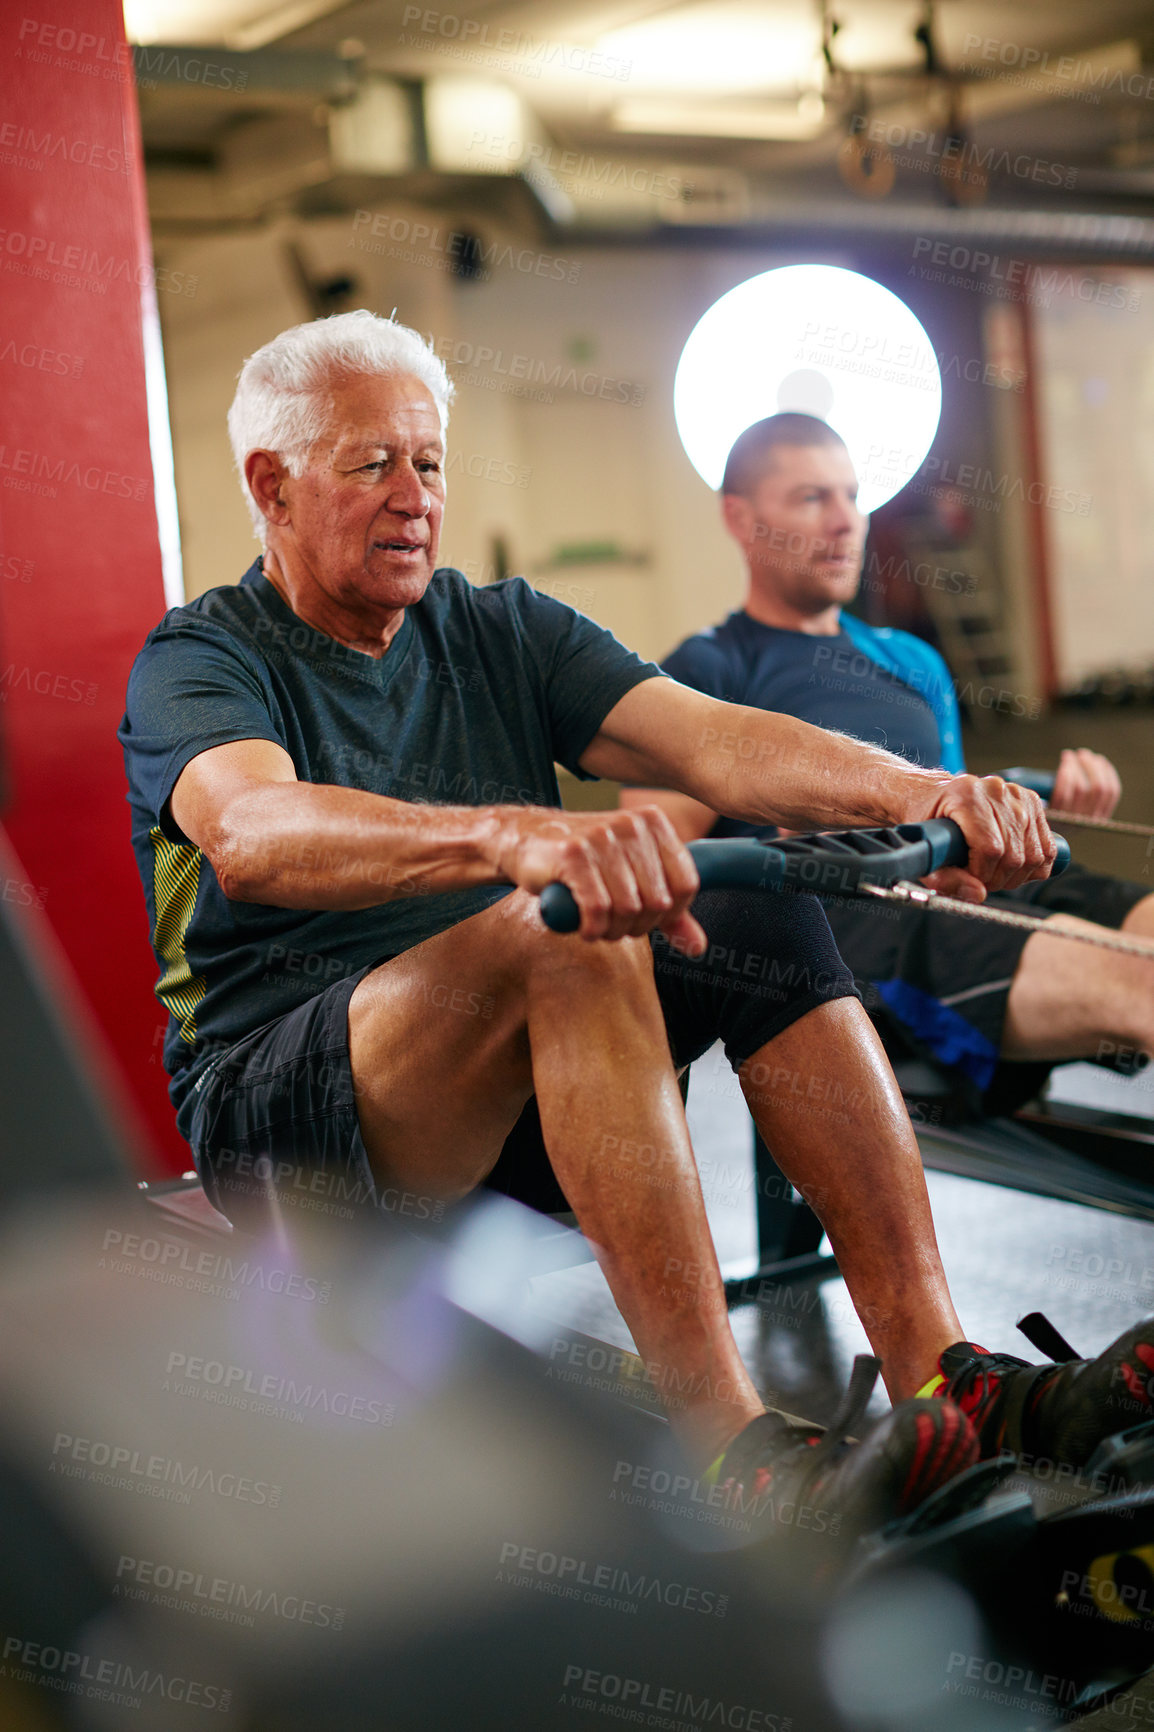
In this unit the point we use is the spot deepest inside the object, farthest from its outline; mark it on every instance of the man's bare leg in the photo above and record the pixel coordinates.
(1067, 998)
(1140, 920)
(440, 1088)
(858, 1164)
(625, 1161)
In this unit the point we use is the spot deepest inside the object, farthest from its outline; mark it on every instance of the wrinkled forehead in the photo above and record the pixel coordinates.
(390, 411)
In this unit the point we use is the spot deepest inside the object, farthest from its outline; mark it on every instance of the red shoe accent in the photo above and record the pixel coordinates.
(927, 1433)
(973, 1400)
(937, 1455)
(1135, 1384)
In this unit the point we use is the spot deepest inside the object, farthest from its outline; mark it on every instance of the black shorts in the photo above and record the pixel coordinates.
(937, 984)
(273, 1121)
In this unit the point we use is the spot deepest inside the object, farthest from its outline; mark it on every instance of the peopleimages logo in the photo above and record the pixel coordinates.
(538, 52)
(520, 375)
(128, 1469)
(181, 1588)
(584, 1685)
(1033, 62)
(31, 471)
(264, 1392)
(177, 1261)
(69, 1670)
(34, 149)
(519, 1565)
(1012, 1686)
(655, 1488)
(955, 150)
(444, 247)
(85, 267)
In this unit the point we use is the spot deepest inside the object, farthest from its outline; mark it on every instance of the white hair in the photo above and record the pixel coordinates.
(283, 392)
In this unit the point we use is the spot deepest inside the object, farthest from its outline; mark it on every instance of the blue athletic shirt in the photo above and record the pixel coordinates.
(478, 695)
(882, 686)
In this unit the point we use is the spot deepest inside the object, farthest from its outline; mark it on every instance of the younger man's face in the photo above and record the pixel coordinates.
(800, 527)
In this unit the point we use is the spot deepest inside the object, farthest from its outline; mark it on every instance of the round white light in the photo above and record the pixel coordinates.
(819, 339)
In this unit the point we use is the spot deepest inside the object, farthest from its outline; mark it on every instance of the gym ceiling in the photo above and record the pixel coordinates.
(639, 121)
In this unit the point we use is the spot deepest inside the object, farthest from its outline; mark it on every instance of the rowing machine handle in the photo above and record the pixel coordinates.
(1038, 781)
(829, 863)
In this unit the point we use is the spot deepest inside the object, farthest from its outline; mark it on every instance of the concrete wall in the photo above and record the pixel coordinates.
(562, 431)
(1094, 350)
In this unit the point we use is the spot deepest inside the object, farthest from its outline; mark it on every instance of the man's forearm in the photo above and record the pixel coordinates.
(756, 765)
(303, 845)
(768, 768)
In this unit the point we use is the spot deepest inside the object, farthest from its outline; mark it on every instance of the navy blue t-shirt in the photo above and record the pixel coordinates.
(477, 696)
(824, 680)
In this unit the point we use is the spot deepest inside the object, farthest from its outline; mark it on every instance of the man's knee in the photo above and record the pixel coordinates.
(519, 949)
(613, 963)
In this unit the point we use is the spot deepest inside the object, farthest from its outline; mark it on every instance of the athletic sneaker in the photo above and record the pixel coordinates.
(849, 1488)
(1058, 1413)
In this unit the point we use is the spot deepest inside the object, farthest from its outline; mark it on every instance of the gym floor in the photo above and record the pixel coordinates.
(1006, 1253)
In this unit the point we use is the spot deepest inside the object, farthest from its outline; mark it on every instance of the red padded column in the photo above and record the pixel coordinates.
(79, 548)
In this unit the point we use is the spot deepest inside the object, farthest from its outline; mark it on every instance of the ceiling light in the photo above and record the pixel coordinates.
(476, 126)
(720, 45)
(881, 39)
(819, 339)
(230, 23)
(683, 119)
(372, 134)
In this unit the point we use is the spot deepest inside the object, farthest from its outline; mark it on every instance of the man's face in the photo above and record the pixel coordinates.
(801, 528)
(365, 517)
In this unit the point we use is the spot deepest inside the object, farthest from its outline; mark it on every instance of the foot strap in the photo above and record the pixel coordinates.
(770, 1430)
(1040, 1333)
(1017, 1397)
(851, 1410)
(865, 1373)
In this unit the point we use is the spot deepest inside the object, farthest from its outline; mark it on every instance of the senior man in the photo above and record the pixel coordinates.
(349, 757)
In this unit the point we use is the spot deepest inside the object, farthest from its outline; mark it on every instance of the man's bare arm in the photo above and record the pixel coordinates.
(767, 768)
(275, 840)
(758, 765)
(689, 817)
